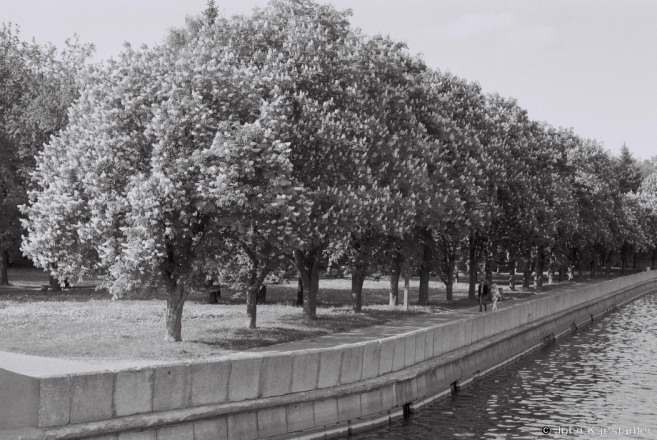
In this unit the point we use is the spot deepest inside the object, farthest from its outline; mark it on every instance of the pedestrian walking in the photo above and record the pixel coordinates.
(496, 295)
(483, 291)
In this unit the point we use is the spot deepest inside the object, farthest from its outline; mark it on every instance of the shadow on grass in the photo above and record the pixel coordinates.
(246, 339)
(294, 327)
(73, 295)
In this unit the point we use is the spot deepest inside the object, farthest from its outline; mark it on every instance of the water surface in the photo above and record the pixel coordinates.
(601, 382)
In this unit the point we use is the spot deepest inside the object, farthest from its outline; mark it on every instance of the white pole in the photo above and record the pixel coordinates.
(407, 288)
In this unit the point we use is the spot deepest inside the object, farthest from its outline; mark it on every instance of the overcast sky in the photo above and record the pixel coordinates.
(586, 64)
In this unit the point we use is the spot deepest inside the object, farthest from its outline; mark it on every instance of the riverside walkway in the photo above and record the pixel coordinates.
(40, 366)
(408, 325)
(315, 388)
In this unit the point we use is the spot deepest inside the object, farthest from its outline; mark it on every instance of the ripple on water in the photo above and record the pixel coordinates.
(603, 376)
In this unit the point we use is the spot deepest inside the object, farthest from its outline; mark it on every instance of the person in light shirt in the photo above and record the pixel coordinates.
(495, 292)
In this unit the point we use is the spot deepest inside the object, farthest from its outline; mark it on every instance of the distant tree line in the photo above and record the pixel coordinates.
(242, 147)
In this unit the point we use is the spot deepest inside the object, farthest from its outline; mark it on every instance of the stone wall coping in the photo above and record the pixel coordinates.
(80, 399)
(163, 418)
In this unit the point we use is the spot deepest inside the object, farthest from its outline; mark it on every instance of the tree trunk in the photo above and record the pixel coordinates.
(593, 266)
(425, 274)
(407, 287)
(310, 302)
(608, 264)
(488, 271)
(262, 294)
(253, 295)
(449, 282)
(472, 288)
(215, 295)
(176, 296)
(449, 290)
(54, 284)
(623, 262)
(536, 265)
(4, 264)
(308, 268)
(549, 267)
(300, 293)
(251, 305)
(540, 264)
(395, 272)
(653, 262)
(495, 261)
(512, 274)
(423, 291)
(357, 278)
(638, 261)
(527, 272)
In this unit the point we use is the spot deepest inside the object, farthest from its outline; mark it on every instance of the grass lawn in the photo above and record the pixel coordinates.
(83, 323)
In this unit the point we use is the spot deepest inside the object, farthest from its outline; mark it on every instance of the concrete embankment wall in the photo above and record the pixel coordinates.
(314, 393)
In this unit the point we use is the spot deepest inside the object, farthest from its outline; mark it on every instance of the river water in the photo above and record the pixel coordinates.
(600, 382)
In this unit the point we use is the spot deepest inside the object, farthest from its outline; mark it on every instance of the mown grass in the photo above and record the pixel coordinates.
(85, 323)
(101, 328)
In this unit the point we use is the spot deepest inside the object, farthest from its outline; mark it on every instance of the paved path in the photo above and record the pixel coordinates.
(380, 331)
(409, 324)
(40, 366)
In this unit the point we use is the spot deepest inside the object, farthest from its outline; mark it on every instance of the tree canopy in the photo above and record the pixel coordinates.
(38, 83)
(240, 146)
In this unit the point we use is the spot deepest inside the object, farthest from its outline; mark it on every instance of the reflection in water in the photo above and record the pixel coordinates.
(587, 385)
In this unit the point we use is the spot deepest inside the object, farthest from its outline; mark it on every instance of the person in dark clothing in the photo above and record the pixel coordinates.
(483, 291)
(215, 295)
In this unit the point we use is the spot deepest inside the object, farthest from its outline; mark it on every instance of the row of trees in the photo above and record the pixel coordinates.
(242, 146)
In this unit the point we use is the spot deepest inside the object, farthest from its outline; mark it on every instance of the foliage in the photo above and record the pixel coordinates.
(37, 85)
(242, 145)
(628, 171)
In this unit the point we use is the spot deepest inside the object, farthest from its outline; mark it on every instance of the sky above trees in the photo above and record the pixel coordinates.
(588, 64)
